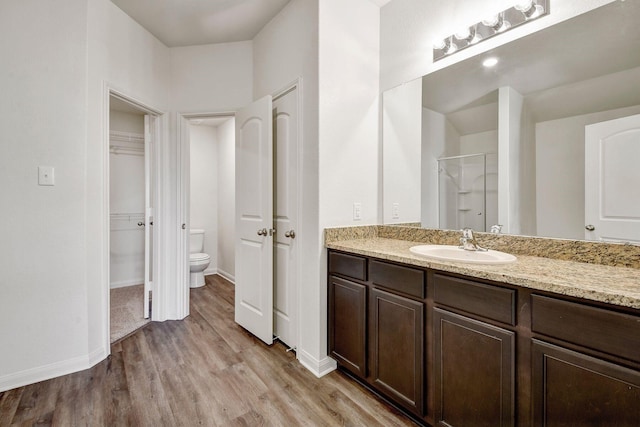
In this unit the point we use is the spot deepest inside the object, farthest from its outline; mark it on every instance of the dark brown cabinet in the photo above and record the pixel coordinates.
(579, 386)
(454, 351)
(347, 324)
(377, 326)
(574, 389)
(474, 361)
(474, 372)
(397, 347)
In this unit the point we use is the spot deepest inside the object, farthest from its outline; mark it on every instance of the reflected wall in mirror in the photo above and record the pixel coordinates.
(528, 116)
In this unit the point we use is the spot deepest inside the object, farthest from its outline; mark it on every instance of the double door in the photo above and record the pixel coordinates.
(267, 217)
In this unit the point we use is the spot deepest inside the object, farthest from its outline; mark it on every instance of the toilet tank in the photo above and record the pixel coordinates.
(196, 241)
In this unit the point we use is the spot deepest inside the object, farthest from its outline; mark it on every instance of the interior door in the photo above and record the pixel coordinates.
(612, 207)
(285, 122)
(254, 219)
(149, 131)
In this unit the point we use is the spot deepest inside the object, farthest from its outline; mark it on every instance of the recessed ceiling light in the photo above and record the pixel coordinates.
(490, 62)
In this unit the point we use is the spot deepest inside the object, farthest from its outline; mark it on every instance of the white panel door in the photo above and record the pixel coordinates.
(149, 137)
(254, 219)
(612, 176)
(285, 122)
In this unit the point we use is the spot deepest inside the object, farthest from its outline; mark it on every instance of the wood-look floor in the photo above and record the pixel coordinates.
(204, 370)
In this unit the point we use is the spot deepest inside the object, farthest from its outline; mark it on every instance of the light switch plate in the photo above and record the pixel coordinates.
(46, 175)
(395, 211)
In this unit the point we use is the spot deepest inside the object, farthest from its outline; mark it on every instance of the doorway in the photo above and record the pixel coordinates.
(212, 193)
(131, 186)
(269, 281)
(267, 217)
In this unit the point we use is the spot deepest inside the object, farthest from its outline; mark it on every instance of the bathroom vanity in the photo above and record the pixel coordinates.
(538, 342)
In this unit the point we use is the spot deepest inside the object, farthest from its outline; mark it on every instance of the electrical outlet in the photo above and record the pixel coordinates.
(357, 211)
(395, 211)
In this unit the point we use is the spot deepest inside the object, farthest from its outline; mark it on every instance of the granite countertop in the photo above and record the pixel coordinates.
(603, 283)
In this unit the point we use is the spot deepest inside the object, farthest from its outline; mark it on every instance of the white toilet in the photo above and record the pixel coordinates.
(198, 260)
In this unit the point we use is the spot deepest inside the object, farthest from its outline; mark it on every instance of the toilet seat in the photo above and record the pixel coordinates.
(199, 257)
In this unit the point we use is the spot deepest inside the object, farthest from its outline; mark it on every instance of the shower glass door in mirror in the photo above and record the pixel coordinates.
(467, 190)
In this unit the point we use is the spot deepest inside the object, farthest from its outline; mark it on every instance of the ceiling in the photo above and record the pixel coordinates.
(594, 53)
(195, 22)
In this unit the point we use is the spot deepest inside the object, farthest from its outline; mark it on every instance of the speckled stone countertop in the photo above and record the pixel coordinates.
(592, 281)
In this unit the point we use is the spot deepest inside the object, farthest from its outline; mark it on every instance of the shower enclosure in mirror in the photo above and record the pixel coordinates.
(467, 189)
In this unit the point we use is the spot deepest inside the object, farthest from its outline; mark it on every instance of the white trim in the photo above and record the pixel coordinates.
(210, 271)
(319, 368)
(296, 84)
(230, 277)
(184, 192)
(108, 91)
(128, 282)
(52, 370)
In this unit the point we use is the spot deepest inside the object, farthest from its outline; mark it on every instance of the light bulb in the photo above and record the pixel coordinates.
(490, 62)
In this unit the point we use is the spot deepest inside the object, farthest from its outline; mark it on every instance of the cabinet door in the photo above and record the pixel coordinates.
(347, 324)
(474, 372)
(397, 345)
(573, 389)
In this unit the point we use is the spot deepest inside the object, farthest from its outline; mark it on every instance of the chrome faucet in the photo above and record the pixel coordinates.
(468, 242)
(496, 229)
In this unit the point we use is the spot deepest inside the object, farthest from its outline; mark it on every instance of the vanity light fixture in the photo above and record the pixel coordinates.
(521, 12)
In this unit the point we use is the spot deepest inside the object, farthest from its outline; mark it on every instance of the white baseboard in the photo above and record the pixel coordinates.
(53, 370)
(227, 276)
(125, 283)
(319, 368)
(210, 270)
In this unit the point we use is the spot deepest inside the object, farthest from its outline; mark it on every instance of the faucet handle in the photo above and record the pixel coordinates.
(496, 229)
(467, 233)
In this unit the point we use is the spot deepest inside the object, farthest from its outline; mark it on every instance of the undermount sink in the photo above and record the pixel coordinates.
(455, 254)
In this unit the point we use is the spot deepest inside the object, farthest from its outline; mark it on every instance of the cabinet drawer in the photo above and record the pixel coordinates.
(591, 327)
(348, 265)
(398, 278)
(491, 302)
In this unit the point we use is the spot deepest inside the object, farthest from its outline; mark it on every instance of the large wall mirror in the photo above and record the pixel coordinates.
(545, 143)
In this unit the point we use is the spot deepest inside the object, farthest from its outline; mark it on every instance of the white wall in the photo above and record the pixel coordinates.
(226, 168)
(204, 188)
(408, 29)
(560, 172)
(122, 121)
(287, 49)
(123, 56)
(43, 304)
(402, 136)
(348, 123)
(211, 78)
(53, 113)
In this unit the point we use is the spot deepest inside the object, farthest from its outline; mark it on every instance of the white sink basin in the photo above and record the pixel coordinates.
(455, 254)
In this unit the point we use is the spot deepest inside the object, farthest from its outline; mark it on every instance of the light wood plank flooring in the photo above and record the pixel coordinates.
(204, 370)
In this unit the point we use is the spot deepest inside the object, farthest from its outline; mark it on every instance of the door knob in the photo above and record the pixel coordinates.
(589, 227)
(290, 233)
(262, 232)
